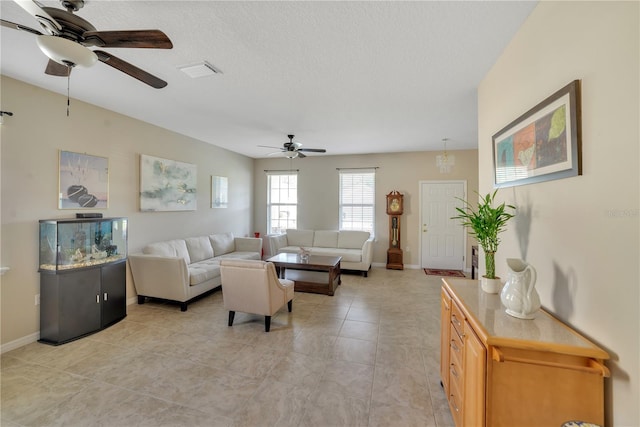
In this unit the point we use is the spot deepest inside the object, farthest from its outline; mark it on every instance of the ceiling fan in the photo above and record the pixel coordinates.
(291, 149)
(67, 40)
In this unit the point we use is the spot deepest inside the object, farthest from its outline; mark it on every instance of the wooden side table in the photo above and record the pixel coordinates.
(474, 261)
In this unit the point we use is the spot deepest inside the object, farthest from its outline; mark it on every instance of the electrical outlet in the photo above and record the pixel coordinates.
(407, 249)
(37, 301)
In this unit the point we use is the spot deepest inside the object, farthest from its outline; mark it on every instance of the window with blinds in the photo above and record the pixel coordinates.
(282, 202)
(357, 199)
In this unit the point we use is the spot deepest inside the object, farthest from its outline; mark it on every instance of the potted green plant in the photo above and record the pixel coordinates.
(486, 222)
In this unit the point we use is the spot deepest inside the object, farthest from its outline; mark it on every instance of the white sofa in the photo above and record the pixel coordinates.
(183, 269)
(355, 247)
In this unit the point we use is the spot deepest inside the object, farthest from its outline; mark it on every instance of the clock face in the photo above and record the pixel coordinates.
(395, 205)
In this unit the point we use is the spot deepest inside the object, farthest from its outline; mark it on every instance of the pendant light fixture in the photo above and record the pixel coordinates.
(445, 161)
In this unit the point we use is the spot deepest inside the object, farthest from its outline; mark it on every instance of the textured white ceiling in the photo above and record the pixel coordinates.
(351, 77)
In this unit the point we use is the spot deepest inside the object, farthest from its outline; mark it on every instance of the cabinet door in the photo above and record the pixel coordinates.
(78, 304)
(445, 328)
(113, 295)
(475, 363)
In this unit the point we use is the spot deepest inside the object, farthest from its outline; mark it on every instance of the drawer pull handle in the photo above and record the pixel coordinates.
(594, 367)
(455, 320)
(455, 407)
(453, 371)
(454, 346)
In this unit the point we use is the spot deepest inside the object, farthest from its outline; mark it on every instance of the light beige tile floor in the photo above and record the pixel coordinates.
(367, 356)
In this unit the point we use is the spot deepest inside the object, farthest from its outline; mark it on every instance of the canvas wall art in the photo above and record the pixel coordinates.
(167, 185)
(543, 144)
(83, 181)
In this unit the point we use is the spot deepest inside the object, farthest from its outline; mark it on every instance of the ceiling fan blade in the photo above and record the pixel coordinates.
(151, 39)
(15, 26)
(300, 155)
(276, 153)
(50, 25)
(56, 69)
(130, 69)
(313, 150)
(269, 146)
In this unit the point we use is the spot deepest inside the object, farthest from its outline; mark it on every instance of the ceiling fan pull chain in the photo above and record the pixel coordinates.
(68, 81)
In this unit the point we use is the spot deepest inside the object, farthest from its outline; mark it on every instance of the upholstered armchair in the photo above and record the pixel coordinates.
(253, 287)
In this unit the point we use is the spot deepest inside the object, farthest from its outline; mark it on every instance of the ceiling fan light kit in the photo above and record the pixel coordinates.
(66, 52)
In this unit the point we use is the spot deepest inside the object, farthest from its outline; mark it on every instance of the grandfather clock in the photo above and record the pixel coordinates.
(394, 210)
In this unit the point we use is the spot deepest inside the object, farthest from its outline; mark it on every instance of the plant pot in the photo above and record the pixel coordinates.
(491, 286)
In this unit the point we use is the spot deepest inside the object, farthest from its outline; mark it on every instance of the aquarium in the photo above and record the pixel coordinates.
(67, 244)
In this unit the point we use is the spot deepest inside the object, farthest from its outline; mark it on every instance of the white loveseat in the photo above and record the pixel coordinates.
(355, 247)
(183, 269)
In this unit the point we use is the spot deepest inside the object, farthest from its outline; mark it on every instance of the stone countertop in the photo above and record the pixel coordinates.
(488, 317)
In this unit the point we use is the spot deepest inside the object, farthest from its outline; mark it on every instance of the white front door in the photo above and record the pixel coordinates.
(442, 242)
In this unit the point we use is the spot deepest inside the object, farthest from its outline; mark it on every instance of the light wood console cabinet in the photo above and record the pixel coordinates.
(498, 370)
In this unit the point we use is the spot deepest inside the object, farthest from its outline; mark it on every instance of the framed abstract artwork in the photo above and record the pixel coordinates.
(219, 192)
(83, 181)
(167, 185)
(544, 143)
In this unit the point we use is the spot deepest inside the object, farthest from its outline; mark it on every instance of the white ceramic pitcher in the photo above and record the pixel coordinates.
(519, 295)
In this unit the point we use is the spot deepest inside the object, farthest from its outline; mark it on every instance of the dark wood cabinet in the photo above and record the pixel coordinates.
(78, 303)
(113, 293)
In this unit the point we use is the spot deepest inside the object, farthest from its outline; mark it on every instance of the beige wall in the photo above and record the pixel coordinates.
(29, 153)
(581, 233)
(318, 191)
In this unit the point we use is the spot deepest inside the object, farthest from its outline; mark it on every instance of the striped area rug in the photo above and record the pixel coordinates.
(447, 273)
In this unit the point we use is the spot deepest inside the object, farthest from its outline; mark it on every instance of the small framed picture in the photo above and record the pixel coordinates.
(219, 192)
(83, 181)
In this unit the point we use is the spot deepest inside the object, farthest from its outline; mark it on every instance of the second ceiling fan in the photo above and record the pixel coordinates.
(291, 149)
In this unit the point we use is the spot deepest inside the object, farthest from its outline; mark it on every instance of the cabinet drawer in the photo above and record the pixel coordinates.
(457, 318)
(455, 403)
(456, 372)
(456, 342)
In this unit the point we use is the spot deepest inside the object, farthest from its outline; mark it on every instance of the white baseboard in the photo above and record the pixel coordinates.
(20, 342)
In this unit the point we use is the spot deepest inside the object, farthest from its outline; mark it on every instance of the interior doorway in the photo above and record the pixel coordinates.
(442, 242)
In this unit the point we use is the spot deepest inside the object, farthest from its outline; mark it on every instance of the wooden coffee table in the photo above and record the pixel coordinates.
(318, 274)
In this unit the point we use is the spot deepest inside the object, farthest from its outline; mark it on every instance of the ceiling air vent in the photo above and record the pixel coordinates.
(201, 69)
